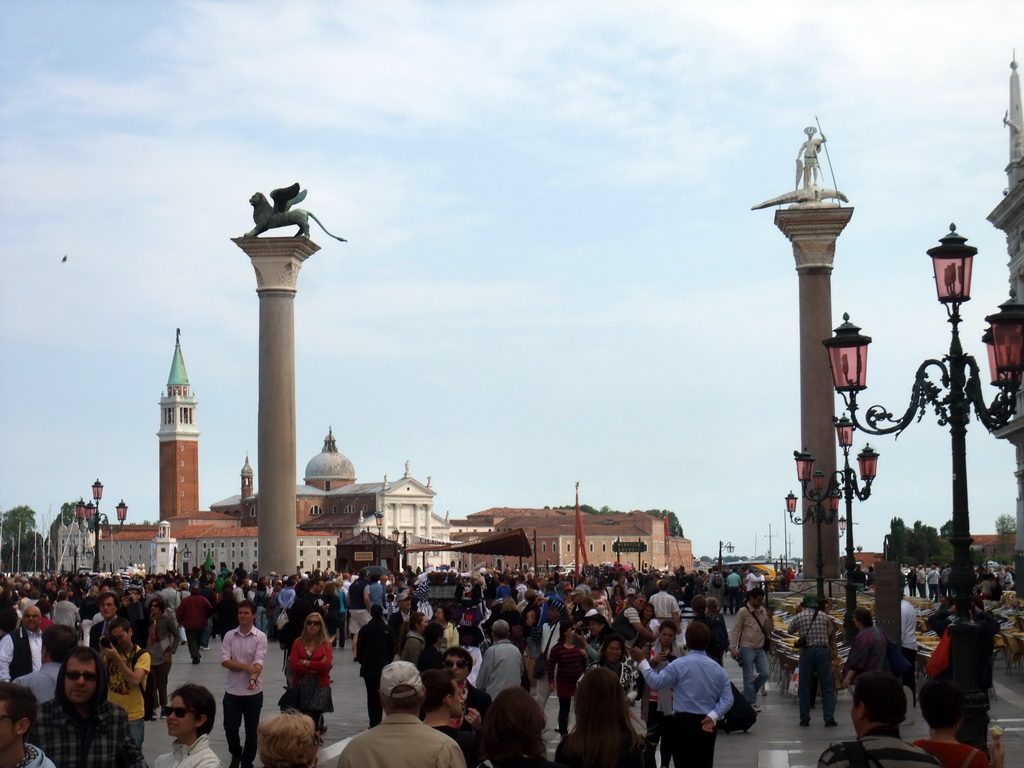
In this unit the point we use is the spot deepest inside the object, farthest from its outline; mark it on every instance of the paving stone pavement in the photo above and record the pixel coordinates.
(775, 741)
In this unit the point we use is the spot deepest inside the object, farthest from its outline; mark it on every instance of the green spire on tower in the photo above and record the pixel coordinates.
(177, 376)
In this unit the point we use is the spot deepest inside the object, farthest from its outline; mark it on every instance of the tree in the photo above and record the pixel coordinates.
(1006, 530)
(897, 539)
(17, 521)
(922, 543)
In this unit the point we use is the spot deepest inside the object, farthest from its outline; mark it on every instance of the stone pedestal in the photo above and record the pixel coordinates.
(277, 261)
(813, 233)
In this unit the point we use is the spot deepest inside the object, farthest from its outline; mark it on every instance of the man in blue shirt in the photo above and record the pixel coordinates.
(375, 591)
(702, 694)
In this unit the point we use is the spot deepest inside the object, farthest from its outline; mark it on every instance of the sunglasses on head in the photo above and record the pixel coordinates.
(178, 712)
(74, 677)
(460, 663)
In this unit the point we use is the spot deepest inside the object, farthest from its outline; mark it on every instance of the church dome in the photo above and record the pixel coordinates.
(329, 464)
(247, 469)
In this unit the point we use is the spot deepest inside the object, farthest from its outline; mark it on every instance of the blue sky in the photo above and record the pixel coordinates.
(553, 273)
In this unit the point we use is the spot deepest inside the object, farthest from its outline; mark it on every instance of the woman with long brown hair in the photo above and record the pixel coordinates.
(603, 736)
(310, 662)
(410, 642)
(513, 732)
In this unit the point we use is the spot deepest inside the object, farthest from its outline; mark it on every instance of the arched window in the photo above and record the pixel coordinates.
(316, 509)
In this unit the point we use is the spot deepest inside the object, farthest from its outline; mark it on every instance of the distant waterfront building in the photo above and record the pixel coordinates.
(553, 532)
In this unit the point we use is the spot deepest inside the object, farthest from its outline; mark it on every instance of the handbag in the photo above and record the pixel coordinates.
(939, 662)
(540, 664)
(289, 699)
(898, 663)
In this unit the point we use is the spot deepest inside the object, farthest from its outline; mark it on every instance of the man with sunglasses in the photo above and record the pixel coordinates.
(242, 653)
(79, 727)
(17, 714)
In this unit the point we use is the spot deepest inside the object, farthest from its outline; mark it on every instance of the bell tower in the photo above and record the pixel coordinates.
(179, 442)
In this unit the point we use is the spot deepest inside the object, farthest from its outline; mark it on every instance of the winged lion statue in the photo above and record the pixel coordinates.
(281, 213)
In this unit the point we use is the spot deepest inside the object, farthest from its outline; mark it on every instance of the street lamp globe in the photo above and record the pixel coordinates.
(844, 431)
(848, 357)
(1006, 351)
(122, 511)
(867, 461)
(804, 465)
(952, 262)
(97, 490)
(791, 500)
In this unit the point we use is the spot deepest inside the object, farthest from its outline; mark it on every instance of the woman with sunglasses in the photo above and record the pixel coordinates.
(310, 661)
(189, 722)
(475, 702)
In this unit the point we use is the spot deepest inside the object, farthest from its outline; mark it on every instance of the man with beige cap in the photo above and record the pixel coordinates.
(401, 740)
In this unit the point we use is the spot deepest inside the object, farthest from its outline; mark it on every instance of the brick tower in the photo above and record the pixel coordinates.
(179, 442)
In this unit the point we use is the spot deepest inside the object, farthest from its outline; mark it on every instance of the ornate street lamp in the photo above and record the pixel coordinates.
(956, 392)
(379, 517)
(824, 497)
(728, 548)
(846, 481)
(90, 519)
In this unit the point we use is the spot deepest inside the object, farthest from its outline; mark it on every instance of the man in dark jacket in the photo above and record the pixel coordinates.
(376, 650)
(79, 728)
(192, 615)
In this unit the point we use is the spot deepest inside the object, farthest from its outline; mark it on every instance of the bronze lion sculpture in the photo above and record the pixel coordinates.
(281, 213)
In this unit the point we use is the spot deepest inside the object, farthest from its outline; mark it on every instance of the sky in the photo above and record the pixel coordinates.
(552, 271)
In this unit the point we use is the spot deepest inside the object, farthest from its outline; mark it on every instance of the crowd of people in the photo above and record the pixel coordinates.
(635, 661)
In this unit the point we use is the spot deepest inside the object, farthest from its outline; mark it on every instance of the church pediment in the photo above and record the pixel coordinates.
(409, 486)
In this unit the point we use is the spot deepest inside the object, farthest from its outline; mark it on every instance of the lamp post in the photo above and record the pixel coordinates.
(90, 519)
(824, 498)
(394, 541)
(186, 558)
(867, 464)
(728, 548)
(379, 517)
(960, 390)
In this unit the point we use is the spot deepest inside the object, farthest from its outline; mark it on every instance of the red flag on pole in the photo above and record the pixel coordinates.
(581, 540)
(666, 526)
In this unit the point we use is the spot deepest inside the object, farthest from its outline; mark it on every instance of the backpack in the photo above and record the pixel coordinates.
(621, 625)
(717, 582)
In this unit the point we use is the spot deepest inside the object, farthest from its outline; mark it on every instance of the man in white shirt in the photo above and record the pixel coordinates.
(242, 653)
(21, 651)
(908, 644)
(665, 605)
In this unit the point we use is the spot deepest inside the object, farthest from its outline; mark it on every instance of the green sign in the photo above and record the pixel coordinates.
(620, 547)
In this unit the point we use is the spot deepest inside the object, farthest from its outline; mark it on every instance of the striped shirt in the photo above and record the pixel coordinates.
(884, 748)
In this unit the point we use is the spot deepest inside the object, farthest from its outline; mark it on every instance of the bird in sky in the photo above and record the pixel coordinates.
(64, 259)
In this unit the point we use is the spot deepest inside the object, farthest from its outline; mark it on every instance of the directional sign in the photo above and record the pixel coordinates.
(620, 547)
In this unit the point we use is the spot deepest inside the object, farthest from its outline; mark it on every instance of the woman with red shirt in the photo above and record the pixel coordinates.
(310, 662)
(566, 662)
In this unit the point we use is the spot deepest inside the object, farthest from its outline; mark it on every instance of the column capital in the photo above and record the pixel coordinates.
(813, 233)
(276, 260)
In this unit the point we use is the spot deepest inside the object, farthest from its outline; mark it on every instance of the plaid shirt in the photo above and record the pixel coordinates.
(64, 738)
(813, 625)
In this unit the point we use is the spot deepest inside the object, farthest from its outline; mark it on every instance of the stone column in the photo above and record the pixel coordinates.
(813, 233)
(277, 261)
